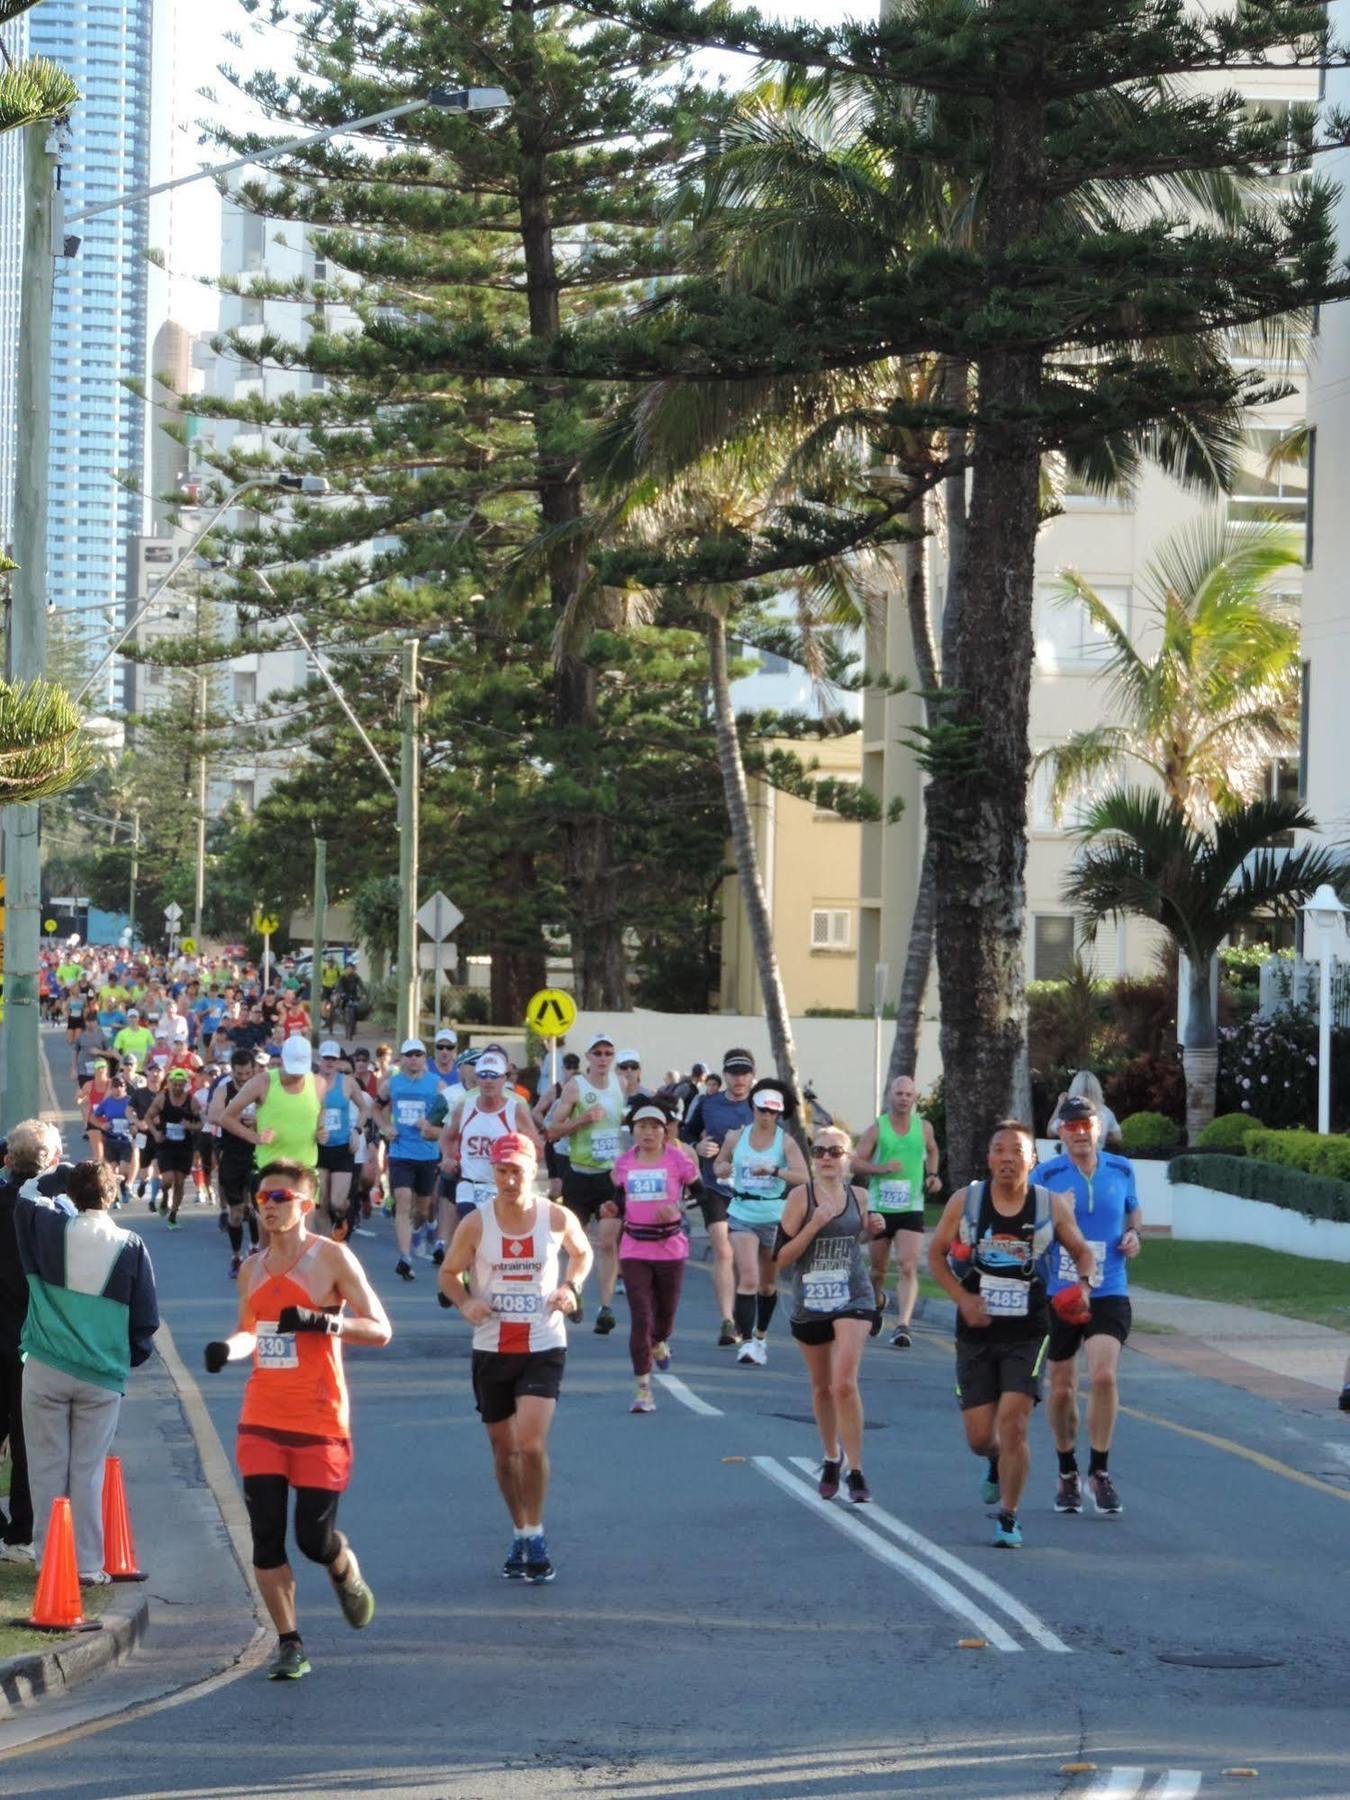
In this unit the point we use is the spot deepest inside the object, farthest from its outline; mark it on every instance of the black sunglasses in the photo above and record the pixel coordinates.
(828, 1150)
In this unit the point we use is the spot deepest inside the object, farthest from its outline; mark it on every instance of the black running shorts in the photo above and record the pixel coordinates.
(500, 1379)
(585, 1191)
(987, 1370)
(1111, 1316)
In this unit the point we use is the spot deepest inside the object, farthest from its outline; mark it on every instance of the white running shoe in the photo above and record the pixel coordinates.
(746, 1352)
(761, 1350)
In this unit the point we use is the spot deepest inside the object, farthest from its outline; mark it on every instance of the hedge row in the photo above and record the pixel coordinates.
(1315, 1196)
(1306, 1150)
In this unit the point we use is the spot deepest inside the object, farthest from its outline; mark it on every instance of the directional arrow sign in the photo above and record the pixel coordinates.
(173, 912)
(551, 1012)
(439, 916)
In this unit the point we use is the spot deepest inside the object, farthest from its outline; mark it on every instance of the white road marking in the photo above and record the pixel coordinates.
(982, 1584)
(959, 1605)
(1117, 1784)
(1177, 1784)
(673, 1385)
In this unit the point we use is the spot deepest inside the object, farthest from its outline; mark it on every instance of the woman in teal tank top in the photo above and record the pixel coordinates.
(762, 1162)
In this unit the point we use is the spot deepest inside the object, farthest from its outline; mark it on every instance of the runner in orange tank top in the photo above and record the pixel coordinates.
(295, 1422)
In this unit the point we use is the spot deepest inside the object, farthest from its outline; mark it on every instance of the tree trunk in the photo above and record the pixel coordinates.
(976, 800)
(746, 854)
(598, 963)
(1200, 1052)
(919, 951)
(518, 956)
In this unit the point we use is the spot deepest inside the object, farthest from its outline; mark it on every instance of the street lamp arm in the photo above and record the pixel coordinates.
(458, 99)
(164, 582)
(331, 685)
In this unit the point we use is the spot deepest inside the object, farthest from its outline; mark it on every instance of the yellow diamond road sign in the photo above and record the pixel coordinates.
(188, 946)
(551, 1012)
(267, 923)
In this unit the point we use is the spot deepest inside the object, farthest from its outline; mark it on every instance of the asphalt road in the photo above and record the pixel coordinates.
(715, 1630)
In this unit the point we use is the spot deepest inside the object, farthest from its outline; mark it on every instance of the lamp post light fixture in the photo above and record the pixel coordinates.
(1325, 914)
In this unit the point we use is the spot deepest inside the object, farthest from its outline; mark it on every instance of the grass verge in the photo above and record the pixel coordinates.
(1244, 1275)
(16, 1602)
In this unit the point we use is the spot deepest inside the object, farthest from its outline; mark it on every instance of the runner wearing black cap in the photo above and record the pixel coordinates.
(707, 1125)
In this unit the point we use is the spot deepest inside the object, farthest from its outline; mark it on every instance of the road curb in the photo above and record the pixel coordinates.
(37, 1674)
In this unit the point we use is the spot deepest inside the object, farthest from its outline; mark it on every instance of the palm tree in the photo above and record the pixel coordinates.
(35, 89)
(1143, 858)
(1214, 695)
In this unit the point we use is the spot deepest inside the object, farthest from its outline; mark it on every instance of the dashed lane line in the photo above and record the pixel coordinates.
(950, 1599)
(991, 1590)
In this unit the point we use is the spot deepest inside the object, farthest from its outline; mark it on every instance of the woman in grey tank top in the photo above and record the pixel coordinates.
(833, 1306)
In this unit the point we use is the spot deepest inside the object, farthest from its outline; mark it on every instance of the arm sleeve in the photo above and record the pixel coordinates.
(144, 1320)
(692, 1128)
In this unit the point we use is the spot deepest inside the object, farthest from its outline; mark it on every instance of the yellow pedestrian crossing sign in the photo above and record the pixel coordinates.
(266, 923)
(188, 946)
(49, 926)
(551, 1012)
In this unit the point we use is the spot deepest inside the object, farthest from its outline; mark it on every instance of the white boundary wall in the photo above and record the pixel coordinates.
(836, 1056)
(1200, 1212)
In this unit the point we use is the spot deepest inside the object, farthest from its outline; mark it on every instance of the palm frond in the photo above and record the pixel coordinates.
(43, 749)
(34, 90)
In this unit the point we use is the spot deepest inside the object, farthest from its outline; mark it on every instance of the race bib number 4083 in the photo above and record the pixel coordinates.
(510, 1304)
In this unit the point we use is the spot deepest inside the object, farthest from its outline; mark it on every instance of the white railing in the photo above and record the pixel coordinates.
(1290, 981)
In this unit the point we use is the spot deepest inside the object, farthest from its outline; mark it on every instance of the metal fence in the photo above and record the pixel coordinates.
(1289, 981)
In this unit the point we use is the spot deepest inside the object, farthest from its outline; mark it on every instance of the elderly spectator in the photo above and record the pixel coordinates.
(33, 1151)
(92, 1313)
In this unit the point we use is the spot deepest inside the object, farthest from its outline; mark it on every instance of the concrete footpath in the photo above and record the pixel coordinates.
(1266, 1353)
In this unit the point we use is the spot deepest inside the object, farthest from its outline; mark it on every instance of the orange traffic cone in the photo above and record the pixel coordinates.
(56, 1603)
(119, 1551)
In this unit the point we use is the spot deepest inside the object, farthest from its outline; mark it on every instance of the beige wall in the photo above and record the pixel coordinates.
(809, 865)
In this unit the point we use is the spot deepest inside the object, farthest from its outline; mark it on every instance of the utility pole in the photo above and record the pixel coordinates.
(28, 616)
(199, 718)
(135, 871)
(410, 774)
(320, 938)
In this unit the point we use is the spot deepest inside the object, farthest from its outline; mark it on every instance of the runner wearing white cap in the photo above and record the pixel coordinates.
(403, 1100)
(589, 1112)
(761, 1162)
(487, 1115)
(285, 1123)
(344, 1110)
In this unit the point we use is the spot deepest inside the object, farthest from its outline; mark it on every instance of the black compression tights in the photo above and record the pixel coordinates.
(315, 1521)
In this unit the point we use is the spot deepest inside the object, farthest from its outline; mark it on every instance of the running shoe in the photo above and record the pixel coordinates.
(1069, 1494)
(1007, 1533)
(289, 1663)
(404, 1268)
(900, 1338)
(760, 1349)
(728, 1335)
(1104, 1495)
(746, 1353)
(661, 1356)
(604, 1322)
(236, 1263)
(538, 1568)
(858, 1491)
(354, 1597)
(95, 1578)
(152, 1206)
(875, 1329)
(173, 1223)
(438, 1254)
(828, 1485)
(642, 1400)
(17, 1553)
(514, 1566)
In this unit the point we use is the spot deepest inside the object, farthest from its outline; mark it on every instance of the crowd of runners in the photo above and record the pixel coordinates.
(198, 1085)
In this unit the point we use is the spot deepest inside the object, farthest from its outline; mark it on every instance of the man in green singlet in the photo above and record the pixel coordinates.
(899, 1155)
(589, 1113)
(286, 1124)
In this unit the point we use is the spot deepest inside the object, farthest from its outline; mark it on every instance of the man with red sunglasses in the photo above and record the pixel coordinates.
(295, 1422)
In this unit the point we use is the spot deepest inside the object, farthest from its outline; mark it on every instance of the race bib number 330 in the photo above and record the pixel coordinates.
(276, 1349)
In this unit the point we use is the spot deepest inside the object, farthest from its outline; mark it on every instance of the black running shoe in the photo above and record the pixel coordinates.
(604, 1322)
(728, 1335)
(1104, 1495)
(1069, 1494)
(900, 1338)
(828, 1485)
(858, 1491)
(404, 1268)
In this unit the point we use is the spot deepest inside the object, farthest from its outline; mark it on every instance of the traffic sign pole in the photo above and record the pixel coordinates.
(440, 918)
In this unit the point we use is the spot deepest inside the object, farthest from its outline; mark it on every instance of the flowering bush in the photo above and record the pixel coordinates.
(1268, 1068)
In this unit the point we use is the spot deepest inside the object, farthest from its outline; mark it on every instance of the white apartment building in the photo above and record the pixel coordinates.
(1111, 544)
(1326, 587)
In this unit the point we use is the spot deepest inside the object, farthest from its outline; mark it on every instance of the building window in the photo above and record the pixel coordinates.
(1068, 641)
(245, 689)
(1271, 479)
(831, 928)
(1053, 946)
(243, 794)
(1282, 783)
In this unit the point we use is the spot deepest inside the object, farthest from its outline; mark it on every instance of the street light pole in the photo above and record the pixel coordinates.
(409, 975)
(135, 870)
(28, 619)
(320, 938)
